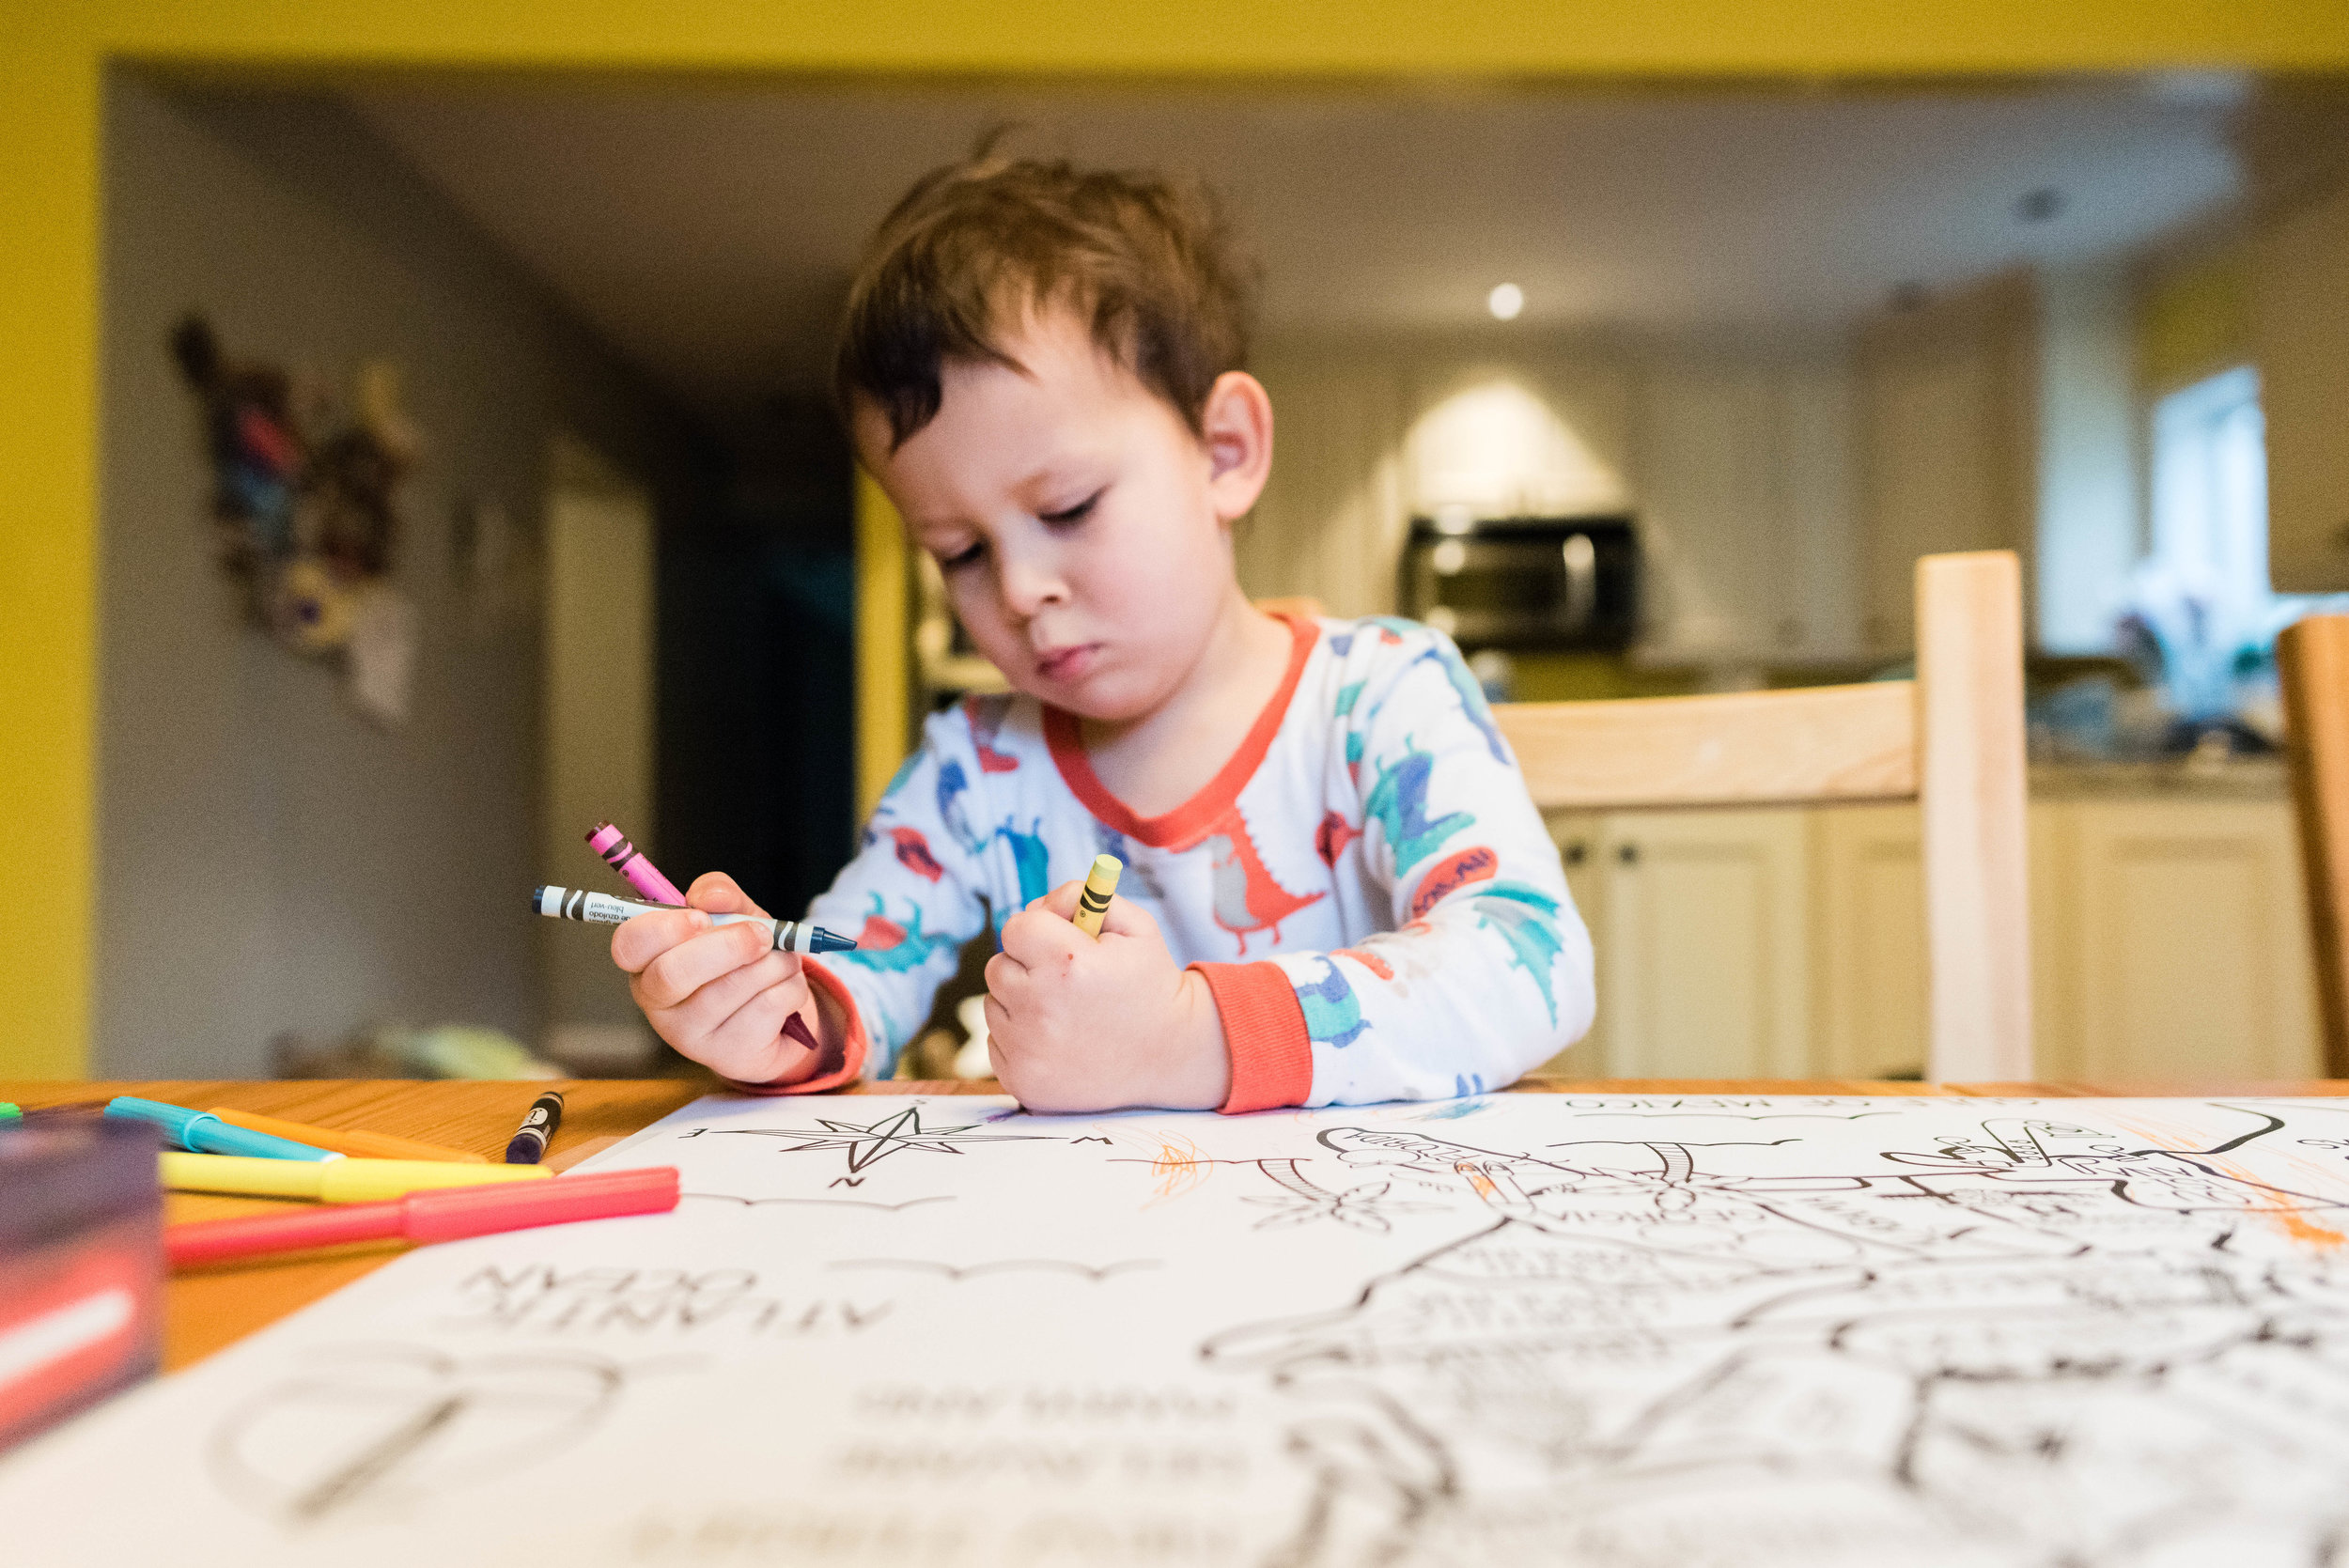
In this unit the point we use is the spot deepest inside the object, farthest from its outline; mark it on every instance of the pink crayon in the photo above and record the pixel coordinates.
(624, 858)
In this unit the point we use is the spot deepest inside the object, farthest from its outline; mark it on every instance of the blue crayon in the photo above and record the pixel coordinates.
(203, 1133)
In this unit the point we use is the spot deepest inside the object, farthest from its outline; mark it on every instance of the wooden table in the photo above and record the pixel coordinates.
(209, 1308)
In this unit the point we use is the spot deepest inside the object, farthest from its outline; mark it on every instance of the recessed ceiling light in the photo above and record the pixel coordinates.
(1505, 301)
(2040, 206)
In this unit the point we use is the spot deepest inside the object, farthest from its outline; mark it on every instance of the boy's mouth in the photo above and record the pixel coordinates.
(1066, 663)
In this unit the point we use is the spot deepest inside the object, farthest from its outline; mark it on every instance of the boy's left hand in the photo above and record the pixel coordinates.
(1076, 1023)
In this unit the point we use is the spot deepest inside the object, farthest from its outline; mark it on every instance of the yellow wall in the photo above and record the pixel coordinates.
(884, 644)
(49, 76)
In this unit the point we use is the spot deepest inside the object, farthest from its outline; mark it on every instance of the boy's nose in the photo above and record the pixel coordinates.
(1029, 585)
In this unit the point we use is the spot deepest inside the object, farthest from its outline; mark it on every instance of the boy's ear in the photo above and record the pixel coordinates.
(1236, 427)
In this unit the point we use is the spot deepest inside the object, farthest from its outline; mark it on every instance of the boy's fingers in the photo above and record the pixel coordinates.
(1061, 901)
(716, 892)
(637, 942)
(686, 967)
(1035, 937)
(717, 1001)
(753, 1036)
(999, 1029)
(1005, 977)
(1126, 918)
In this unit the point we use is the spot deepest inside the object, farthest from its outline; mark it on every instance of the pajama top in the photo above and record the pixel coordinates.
(1365, 885)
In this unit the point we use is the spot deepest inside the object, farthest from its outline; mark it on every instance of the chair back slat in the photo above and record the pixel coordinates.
(1952, 741)
(2314, 657)
(1746, 747)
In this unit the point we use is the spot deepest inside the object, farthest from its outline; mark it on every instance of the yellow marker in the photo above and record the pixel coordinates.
(1100, 882)
(333, 1181)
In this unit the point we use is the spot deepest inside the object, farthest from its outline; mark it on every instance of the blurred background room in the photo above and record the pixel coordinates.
(466, 475)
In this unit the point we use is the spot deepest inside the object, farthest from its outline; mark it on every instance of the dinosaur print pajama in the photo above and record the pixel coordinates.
(1365, 885)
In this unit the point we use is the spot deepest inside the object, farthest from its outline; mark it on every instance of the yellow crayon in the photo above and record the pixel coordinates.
(1094, 903)
(333, 1181)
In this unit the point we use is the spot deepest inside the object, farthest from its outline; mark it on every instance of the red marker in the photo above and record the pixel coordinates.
(442, 1214)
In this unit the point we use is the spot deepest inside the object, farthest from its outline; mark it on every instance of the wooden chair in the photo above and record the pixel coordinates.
(1952, 739)
(2313, 656)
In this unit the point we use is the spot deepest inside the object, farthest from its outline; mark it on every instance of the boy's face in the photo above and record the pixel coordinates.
(1080, 526)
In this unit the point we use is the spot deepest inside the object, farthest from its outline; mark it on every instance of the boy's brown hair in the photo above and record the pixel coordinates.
(1146, 260)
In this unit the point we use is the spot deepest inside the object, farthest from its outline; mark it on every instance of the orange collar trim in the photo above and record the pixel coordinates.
(1192, 821)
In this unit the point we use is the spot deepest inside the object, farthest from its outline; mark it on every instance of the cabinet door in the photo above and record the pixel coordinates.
(1703, 944)
(1712, 513)
(1944, 437)
(2300, 337)
(2193, 948)
(1868, 872)
(1578, 835)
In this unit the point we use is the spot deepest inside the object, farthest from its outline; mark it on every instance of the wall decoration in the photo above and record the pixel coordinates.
(303, 504)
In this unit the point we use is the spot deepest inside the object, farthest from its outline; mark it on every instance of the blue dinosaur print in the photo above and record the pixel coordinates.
(892, 948)
(953, 785)
(1029, 857)
(1332, 1017)
(1399, 803)
(1526, 917)
(898, 780)
(1341, 643)
(1472, 694)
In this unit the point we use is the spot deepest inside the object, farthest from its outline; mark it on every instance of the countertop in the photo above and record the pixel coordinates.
(2237, 778)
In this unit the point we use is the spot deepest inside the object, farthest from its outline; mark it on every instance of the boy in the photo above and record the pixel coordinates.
(1336, 888)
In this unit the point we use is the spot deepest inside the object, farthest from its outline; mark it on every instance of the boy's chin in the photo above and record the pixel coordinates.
(1104, 698)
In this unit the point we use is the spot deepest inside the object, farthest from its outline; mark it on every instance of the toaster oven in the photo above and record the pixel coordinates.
(1566, 583)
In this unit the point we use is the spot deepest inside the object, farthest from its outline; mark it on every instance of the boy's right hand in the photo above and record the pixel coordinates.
(723, 994)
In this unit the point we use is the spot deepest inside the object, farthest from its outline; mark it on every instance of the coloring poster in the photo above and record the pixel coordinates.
(1618, 1331)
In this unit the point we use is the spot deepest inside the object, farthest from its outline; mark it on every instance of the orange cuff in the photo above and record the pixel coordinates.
(852, 1053)
(1264, 1030)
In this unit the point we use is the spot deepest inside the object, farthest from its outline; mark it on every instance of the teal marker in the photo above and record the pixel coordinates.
(203, 1133)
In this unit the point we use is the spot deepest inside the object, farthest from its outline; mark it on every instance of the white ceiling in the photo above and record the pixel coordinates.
(709, 233)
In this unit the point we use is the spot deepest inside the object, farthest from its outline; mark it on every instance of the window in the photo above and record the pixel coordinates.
(2202, 593)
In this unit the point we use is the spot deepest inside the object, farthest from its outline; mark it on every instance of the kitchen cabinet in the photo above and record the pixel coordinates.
(2169, 942)
(1746, 498)
(2180, 946)
(1947, 430)
(1868, 918)
(2301, 339)
(1702, 949)
(1740, 467)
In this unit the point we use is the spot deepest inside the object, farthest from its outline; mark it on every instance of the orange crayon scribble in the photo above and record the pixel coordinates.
(1179, 1166)
(2287, 1215)
(1484, 1185)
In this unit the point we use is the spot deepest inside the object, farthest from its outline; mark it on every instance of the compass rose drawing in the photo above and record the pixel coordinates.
(866, 1143)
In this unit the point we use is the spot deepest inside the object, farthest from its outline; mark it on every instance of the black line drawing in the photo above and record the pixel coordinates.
(1737, 1116)
(869, 1143)
(382, 1427)
(824, 1202)
(2051, 1350)
(959, 1272)
(1366, 1206)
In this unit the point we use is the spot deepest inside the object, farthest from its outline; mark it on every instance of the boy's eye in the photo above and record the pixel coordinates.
(969, 557)
(1073, 514)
